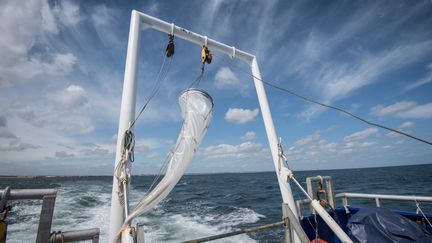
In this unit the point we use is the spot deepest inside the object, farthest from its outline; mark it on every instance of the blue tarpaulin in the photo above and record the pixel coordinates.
(371, 224)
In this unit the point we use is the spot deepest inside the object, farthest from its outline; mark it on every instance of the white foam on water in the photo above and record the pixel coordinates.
(88, 206)
(175, 228)
(24, 229)
(164, 227)
(241, 216)
(70, 215)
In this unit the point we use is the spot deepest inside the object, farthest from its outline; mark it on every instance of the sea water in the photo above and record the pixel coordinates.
(202, 205)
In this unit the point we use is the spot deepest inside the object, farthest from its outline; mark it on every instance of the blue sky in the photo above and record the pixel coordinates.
(62, 66)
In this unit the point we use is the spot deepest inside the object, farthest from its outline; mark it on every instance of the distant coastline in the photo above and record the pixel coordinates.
(207, 173)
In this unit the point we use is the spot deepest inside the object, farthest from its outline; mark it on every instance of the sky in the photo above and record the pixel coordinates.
(62, 66)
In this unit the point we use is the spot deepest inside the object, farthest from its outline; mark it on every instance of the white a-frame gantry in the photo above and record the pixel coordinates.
(140, 22)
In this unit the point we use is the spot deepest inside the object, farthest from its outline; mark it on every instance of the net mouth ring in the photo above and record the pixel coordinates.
(204, 93)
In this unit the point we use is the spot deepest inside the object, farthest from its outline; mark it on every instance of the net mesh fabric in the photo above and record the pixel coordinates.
(196, 107)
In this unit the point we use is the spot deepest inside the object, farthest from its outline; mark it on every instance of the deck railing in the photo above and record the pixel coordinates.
(345, 196)
(48, 197)
(378, 197)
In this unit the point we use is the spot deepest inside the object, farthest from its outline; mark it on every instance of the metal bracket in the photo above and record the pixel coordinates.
(45, 221)
(172, 29)
(140, 233)
(205, 40)
(291, 223)
(325, 181)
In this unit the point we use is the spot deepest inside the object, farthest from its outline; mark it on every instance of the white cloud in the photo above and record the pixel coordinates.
(48, 20)
(15, 144)
(360, 135)
(3, 121)
(63, 154)
(311, 147)
(6, 134)
(74, 96)
(240, 116)
(25, 26)
(393, 135)
(95, 151)
(404, 109)
(313, 138)
(68, 13)
(397, 107)
(246, 150)
(407, 124)
(422, 81)
(43, 113)
(15, 16)
(80, 127)
(152, 143)
(153, 9)
(316, 59)
(248, 136)
(148, 146)
(225, 78)
(367, 144)
(404, 126)
(311, 112)
(344, 80)
(113, 138)
(352, 151)
(104, 19)
(60, 64)
(420, 111)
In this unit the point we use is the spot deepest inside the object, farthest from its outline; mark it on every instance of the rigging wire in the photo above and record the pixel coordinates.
(199, 78)
(160, 78)
(295, 94)
(421, 211)
(206, 57)
(127, 154)
(164, 166)
(155, 90)
(162, 170)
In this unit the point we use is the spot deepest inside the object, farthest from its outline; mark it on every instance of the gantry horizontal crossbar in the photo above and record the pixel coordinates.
(185, 34)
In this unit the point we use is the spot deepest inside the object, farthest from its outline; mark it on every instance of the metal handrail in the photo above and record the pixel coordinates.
(238, 232)
(22, 194)
(48, 197)
(378, 197)
(288, 221)
(77, 235)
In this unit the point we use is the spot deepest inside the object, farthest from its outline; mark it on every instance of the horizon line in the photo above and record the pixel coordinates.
(203, 173)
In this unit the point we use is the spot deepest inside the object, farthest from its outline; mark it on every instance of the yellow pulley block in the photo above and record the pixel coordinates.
(206, 55)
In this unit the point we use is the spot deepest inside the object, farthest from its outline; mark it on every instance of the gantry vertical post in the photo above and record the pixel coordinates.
(285, 187)
(127, 115)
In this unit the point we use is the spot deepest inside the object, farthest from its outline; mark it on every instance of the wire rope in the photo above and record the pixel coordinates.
(421, 211)
(295, 94)
(160, 78)
(200, 76)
